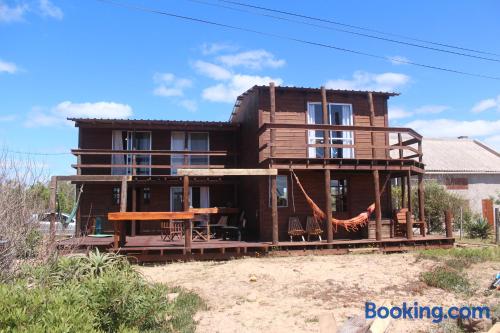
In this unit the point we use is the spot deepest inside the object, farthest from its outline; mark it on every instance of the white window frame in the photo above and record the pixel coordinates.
(187, 147)
(128, 157)
(172, 188)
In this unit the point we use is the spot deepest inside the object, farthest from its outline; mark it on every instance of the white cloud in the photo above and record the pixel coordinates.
(211, 70)
(398, 60)
(169, 85)
(493, 141)
(189, 104)
(48, 9)
(399, 113)
(454, 128)
(213, 48)
(487, 104)
(239, 83)
(254, 59)
(369, 81)
(7, 118)
(8, 67)
(57, 115)
(431, 109)
(15, 13)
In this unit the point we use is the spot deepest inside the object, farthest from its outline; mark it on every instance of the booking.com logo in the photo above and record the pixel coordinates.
(416, 311)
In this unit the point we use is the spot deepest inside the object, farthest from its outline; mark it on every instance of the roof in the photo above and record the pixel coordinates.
(152, 122)
(459, 156)
(342, 91)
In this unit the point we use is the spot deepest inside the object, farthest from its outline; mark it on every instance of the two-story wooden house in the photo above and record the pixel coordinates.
(336, 142)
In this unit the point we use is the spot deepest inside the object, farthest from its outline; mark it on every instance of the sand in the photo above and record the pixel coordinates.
(291, 294)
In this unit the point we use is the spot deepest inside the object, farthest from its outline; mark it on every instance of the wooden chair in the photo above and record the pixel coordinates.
(399, 222)
(313, 228)
(220, 224)
(170, 229)
(295, 228)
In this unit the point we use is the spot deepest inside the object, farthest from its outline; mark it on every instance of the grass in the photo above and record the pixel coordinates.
(450, 275)
(182, 310)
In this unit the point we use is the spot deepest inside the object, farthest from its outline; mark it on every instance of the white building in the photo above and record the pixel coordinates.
(466, 167)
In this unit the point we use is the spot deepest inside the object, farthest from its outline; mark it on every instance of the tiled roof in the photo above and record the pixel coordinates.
(459, 156)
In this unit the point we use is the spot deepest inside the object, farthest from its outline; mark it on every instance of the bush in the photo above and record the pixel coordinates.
(469, 255)
(446, 278)
(98, 293)
(477, 228)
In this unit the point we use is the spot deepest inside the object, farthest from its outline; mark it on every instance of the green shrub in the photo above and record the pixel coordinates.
(446, 278)
(98, 293)
(470, 255)
(477, 228)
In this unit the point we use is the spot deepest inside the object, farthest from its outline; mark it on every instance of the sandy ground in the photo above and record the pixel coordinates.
(290, 294)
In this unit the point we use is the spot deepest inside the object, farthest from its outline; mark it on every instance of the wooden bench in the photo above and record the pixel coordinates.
(399, 222)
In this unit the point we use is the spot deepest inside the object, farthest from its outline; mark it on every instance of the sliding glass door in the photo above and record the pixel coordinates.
(189, 141)
(131, 140)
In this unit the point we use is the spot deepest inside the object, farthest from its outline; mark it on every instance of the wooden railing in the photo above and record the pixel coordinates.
(102, 159)
(399, 142)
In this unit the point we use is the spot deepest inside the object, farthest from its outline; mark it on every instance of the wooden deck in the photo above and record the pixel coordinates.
(152, 249)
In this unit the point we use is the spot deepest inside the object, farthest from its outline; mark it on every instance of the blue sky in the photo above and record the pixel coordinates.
(92, 59)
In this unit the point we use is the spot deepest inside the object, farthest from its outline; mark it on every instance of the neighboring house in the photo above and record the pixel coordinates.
(336, 141)
(466, 167)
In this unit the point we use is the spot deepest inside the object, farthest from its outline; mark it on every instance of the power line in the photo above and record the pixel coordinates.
(340, 30)
(358, 27)
(31, 153)
(298, 40)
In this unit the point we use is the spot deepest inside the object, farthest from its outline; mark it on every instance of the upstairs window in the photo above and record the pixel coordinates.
(281, 191)
(189, 141)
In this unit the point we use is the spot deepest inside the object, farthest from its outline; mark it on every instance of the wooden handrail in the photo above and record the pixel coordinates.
(148, 166)
(149, 152)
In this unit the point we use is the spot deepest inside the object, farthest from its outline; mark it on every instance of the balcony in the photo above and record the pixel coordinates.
(349, 147)
(148, 162)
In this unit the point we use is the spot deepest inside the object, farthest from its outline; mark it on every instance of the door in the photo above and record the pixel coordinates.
(341, 114)
(139, 141)
(199, 197)
(488, 211)
(315, 116)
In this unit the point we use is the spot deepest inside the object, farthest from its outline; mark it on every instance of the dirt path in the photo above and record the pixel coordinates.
(291, 293)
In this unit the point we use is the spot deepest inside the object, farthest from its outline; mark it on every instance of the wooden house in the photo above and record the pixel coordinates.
(337, 143)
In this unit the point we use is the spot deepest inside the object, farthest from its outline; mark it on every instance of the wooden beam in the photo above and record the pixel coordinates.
(274, 210)
(134, 209)
(53, 209)
(403, 192)
(408, 185)
(226, 172)
(448, 218)
(149, 216)
(372, 120)
(123, 208)
(93, 178)
(400, 143)
(378, 210)
(421, 208)
(324, 106)
(188, 234)
(215, 210)
(409, 225)
(272, 118)
(328, 210)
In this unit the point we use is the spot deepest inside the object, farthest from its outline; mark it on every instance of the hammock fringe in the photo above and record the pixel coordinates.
(352, 224)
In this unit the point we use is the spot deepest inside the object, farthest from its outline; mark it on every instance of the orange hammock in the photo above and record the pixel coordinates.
(352, 224)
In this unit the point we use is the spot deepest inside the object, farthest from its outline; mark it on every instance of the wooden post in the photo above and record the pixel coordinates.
(134, 209)
(400, 143)
(188, 235)
(78, 224)
(123, 208)
(403, 192)
(408, 185)
(328, 210)
(324, 106)
(272, 118)
(409, 225)
(52, 209)
(421, 208)
(378, 211)
(448, 217)
(274, 210)
(372, 121)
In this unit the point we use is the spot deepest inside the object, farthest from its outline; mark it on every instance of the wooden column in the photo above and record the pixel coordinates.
(53, 209)
(409, 225)
(448, 217)
(372, 121)
(274, 210)
(123, 208)
(421, 208)
(408, 185)
(134, 209)
(403, 192)
(400, 143)
(272, 119)
(324, 105)
(328, 210)
(378, 210)
(78, 224)
(188, 234)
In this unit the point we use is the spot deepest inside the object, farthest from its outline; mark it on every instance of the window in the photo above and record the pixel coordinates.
(116, 195)
(199, 197)
(338, 188)
(281, 190)
(190, 141)
(146, 195)
(457, 183)
(131, 140)
(338, 114)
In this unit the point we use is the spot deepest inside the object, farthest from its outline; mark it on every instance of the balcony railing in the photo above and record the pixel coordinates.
(147, 162)
(391, 143)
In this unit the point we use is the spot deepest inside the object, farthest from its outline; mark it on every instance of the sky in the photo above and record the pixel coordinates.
(88, 58)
